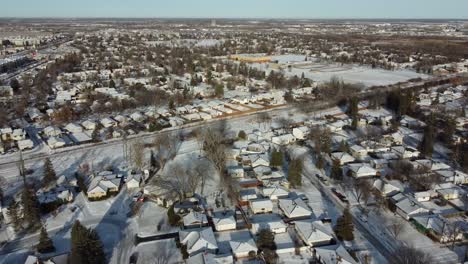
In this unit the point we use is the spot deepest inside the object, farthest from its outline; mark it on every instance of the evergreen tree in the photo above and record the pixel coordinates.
(46, 244)
(15, 85)
(50, 177)
(111, 84)
(95, 135)
(86, 247)
(426, 147)
(266, 239)
(14, 212)
(336, 171)
(242, 135)
(320, 163)
(31, 211)
(344, 226)
(354, 112)
(219, 90)
(344, 147)
(172, 217)
(295, 172)
(277, 158)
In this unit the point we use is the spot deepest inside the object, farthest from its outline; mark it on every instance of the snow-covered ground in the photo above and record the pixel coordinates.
(161, 251)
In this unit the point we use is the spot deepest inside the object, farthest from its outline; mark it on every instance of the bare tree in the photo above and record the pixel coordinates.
(452, 232)
(395, 227)
(138, 154)
(166, 147)
(263, 118)
(360, 188)
(213, 146)
(408, 254)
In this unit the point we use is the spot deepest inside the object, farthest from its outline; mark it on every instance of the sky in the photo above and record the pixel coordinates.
(237, 8)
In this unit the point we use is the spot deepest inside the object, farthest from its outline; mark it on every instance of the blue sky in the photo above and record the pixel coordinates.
(237, 8)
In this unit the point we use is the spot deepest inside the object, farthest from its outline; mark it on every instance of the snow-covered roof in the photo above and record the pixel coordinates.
(294, 207)
(198, 239)
(313, 231)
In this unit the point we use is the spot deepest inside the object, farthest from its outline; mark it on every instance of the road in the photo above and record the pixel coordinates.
(375, 241)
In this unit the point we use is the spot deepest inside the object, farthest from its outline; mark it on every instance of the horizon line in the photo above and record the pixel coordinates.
(226, 18)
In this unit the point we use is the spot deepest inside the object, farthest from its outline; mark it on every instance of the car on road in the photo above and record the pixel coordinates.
(133, 258)
(340, 196)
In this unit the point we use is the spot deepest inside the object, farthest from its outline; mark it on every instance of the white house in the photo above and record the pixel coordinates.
(242, 244)
(294, 208)
(55, 142)
(342, 157)
(224, 220)
(358, 151)
(73, 128)
(133, 181)
(409, 207)
(271, 222)
(108, 122)
(195, 219)
(25, 144)
(300, 132)
(52, 131)
(283, 139)
(261, 206)
(198, 240)
(313, 233)
(331, 254)
(361, 170)
(274, 192)
(88, 125)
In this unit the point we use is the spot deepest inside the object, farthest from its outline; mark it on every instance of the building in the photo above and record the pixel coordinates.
(313, 233)
(224, 220)
(198, 241)
(294, 208)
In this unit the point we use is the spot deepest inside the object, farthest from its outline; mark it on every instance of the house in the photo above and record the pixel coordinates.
(137, 117)
(282, 140)
(259, 160)
(453, 176)
(208, 258)
(242, 245)
(274, 192)
(73, 128)
(55, 142)
(440, 227)
(198, 241)
(358, 151)
(133, 181)
(195, 219)
(246, 195)
(387, 189)
(333, 254)
(236, 171)
(261, 206)
(313, 233)
(408, 208)
(80, 137)
(108, 122)
(300, 133)
(284, 243)
(294, 208)
(104, 183)
(18, 134)
(451, 193)
(89, 125)
(405, 152)
(361, 170)
(224, 220)
(342, 157)
(52, 131)
(271, 222)
(425, 196)
(25, 144)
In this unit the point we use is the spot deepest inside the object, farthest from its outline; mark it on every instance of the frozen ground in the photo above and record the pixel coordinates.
(162, 251)
(323, 71)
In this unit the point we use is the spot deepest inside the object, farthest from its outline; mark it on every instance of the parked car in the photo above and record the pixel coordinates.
(340, 196)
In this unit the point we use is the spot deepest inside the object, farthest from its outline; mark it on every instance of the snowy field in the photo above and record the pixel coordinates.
(323, 71)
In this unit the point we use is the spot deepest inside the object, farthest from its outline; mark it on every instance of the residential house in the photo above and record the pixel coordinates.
(104, 183)
(195, 219)
(224, 220)
(274, 192)
(342, 157)
(294, 208)
(261, 206)
(408, 208)
(313, 233)
(282, 140)
(300, 133)
(198, 241)
(333, 254)
(271, 222)
(133, 181)
(361, 170)
(242, 245)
